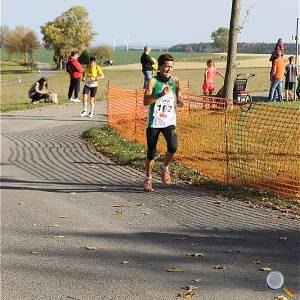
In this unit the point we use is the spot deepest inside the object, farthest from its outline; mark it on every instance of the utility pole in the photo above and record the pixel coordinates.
(297, 53)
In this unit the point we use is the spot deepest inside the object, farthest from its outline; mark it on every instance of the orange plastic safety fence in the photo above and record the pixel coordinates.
(255, 146)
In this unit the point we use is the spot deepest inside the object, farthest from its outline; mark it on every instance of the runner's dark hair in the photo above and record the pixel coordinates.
(163, 58)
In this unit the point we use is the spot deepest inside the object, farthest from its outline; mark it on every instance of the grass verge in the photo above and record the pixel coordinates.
(109, 142)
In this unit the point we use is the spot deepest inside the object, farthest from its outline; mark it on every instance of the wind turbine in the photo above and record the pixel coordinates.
(127, 41)
(115, 39)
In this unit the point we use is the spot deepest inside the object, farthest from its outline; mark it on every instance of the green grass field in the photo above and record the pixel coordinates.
(40, 55)
(121, 57)
(11, 70)
(130, 79)
(133, 79)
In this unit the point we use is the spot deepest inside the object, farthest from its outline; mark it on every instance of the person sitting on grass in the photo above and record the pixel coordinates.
(38, 90)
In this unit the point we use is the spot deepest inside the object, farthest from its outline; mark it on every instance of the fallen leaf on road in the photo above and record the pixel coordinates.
(189, 287)
(117, 212)
(260, 261)
(72, 298)
(90, 248)
(186, 295)
(174, 269)
(118, 205)
(58, 236)
(196, 254)
(219, 267)
(265, 269)
(289, 292)
(283, 238)
(233, 251)
(93, 167)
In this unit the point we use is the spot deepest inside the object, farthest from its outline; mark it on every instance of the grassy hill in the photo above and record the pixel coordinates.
(41, 55)
(122, 57)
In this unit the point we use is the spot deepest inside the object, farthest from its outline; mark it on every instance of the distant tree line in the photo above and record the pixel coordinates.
(255, 48)
(21, 42)
(101, 53)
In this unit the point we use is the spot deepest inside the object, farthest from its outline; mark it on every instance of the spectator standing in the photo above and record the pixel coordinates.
(290, 78)
(147, 63)
(92, 75)
(277, 76)
(298, 87)
(278, 47)
(210, 73)
(76, 72)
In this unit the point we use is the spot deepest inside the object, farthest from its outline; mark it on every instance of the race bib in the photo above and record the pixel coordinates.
(90, 83)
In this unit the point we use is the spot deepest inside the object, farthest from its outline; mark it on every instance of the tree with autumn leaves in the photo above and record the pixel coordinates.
(21, 41)
(70, 31)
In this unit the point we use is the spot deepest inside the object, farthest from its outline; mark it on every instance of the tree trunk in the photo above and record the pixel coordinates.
(232, 49)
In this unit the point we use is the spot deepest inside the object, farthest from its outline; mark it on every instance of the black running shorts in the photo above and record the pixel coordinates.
(152, 138)
(90, 90)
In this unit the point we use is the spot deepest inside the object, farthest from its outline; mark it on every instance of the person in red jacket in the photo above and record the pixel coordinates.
(75, 76)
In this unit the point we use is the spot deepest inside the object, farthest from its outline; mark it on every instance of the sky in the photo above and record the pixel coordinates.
(161, 24)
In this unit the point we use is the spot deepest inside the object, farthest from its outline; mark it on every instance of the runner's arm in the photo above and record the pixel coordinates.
(100, 74)
(148, 97)
(219, 73)
(205, 75)
(179, 101)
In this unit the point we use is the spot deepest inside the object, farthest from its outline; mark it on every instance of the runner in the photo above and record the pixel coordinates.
(92, 74)
(160, 94)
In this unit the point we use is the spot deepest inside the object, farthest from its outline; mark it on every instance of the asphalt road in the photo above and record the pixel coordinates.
(57, 198)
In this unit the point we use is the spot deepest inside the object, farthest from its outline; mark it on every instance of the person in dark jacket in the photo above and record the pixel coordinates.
(147, 63)
(75, 76)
